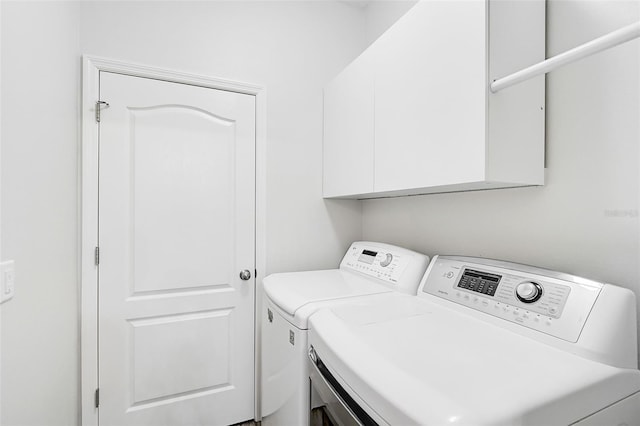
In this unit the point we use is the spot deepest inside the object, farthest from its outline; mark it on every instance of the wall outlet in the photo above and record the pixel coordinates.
(7, 280)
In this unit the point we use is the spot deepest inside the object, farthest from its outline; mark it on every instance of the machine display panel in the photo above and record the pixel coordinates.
(480, 282)
(368, 256)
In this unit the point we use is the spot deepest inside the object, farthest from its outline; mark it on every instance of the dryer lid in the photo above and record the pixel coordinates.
(290, 291)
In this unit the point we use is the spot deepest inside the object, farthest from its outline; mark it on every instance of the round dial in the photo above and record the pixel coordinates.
(528, 291)
(387, 260)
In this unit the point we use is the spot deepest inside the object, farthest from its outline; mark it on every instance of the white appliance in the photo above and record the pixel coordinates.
(484, 343)
(290, 298)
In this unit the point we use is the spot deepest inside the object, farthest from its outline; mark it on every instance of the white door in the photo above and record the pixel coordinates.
(176, 226)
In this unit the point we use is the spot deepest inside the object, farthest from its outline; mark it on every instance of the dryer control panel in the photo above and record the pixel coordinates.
(549, 302)
(396, 266)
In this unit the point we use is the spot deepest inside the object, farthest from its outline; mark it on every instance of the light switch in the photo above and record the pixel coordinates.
(7, 278)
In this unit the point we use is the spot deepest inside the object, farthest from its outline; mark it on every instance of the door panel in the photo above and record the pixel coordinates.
(155, 341)
(174, 217)
(176, 225)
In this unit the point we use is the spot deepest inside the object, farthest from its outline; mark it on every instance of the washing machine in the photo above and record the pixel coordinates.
(289, 299)
(484, 343)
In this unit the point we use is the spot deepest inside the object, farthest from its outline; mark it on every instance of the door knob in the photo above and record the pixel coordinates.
(245, 274)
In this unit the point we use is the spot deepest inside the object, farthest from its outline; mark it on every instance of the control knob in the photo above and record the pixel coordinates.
(387, 261)
(528, 291)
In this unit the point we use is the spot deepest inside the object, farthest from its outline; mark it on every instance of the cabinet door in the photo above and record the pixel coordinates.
(348, 130)
(430, 97)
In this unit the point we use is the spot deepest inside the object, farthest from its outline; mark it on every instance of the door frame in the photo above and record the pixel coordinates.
(88, 206)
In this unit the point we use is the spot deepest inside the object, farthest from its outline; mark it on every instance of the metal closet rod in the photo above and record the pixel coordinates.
(607, 41)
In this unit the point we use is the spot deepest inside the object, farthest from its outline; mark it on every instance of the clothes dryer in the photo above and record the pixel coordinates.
(289, 299)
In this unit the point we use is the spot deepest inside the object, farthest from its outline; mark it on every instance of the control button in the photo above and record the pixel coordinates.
(387, 261)
(449, 275)
(553, 311)
(516, 313)
(528, 292)
(475, 299)
(548, 322)
(537, 318)
(466, 297)
(485, 303)
(457, 293)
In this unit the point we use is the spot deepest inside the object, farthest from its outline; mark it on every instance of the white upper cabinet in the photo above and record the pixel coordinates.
(348, 130)
(414, 113)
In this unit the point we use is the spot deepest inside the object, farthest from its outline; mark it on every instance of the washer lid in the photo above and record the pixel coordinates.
(443, 367)
(292, 290)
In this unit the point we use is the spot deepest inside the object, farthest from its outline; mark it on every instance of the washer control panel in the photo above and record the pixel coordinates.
(536, 295)
(387, 263)
(549, 302)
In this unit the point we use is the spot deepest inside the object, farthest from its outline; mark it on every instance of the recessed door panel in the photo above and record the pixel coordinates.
(177, 355)
(182, 177)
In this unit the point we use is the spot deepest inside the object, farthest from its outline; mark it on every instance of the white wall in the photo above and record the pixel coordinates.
(585, 219)
(292, 48)
(40, 87)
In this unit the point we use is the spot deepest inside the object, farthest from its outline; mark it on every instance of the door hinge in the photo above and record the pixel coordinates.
(97, 397)
(96, 256)
(100, 105)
